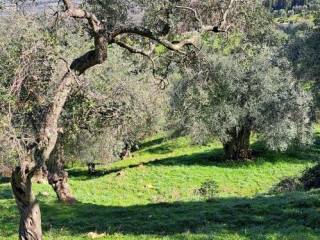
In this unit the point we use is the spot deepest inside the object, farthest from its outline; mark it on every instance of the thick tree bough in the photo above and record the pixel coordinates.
(59, 183)
(30, 215)
(238, 148)
(58, 177)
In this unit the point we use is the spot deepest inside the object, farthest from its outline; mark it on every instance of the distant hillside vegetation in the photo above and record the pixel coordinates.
(292, 4)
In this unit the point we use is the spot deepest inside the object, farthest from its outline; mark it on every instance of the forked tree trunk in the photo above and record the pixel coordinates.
(30, 215)
(40, 176)
(239, 145)
(58, 177)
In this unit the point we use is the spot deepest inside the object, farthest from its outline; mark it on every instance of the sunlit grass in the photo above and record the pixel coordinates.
(296, 18)
(152, 196)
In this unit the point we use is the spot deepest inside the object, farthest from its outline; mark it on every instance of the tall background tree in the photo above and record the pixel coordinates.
(303, 51)
(237, 86)
(228, 98)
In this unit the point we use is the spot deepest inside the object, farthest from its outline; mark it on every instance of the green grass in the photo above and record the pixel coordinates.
(154, 197)
(296, 18)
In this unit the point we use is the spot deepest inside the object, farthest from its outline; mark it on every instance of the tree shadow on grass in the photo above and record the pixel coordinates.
(151, 143)
(162, 149)
(254, 218)
(209, 158)
(82, 174)
(215, 157)
(267, 214)
(5, 192)
(4, 180)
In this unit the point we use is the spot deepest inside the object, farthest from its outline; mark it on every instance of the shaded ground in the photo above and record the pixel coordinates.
(154, 197)
(209, 157)
(293, 216)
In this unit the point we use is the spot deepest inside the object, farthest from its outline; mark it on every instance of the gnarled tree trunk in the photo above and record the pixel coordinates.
(30, 215)
(40, 176)
(239, 145)
(58, 177)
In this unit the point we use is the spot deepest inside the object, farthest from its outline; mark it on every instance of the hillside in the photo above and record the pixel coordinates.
(157, 194)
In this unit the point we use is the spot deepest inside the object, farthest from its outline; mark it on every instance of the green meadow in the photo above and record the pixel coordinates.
(155, 195)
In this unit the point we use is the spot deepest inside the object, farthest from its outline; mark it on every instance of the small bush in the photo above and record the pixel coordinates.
(311, 177)
(208, 189)
(289, 184)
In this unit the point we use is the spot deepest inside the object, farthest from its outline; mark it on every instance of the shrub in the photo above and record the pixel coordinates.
(208, 189)
(311, 177)
(289, 184)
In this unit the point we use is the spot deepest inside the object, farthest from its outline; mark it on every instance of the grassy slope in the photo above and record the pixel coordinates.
(296, 18)
(156, 200)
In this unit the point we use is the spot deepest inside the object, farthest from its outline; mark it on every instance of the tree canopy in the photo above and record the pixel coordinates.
(94, 78)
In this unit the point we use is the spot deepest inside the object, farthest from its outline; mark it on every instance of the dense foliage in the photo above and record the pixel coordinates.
(292, 4)
(302, 51)
(223, 96)
(25, 84)
(120, 107)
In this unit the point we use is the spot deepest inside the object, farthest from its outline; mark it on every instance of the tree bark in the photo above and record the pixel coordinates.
(239, 146)
(92, 168)
(58, 177)
(40, 176)
(30, 215)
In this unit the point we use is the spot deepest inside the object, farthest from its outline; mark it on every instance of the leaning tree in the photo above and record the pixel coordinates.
(149, 30)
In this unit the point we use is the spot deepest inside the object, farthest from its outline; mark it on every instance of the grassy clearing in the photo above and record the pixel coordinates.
(152, 196)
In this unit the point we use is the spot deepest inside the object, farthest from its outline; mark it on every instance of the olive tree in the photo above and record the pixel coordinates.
(303, 52)
(229, 97)
(28, 89)
(32, 63)
(121, 106)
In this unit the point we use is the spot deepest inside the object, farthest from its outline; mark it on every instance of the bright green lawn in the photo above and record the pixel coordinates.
(156, 200)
